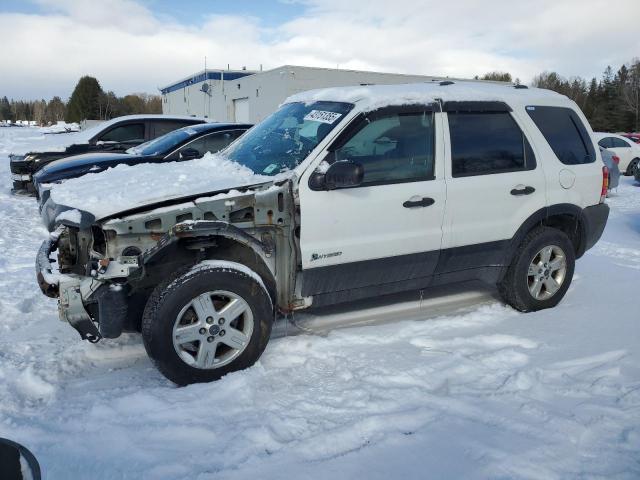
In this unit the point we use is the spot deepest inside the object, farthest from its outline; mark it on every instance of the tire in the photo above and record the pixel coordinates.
(636, 173)
(187, 336)
(632, 167)
(517, 285)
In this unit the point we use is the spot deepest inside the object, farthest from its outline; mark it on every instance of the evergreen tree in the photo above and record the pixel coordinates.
(85, 100)
(5, 109)
(56, 110)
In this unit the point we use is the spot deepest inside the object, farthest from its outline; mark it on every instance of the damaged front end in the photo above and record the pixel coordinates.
(104, 270)
(87, 284)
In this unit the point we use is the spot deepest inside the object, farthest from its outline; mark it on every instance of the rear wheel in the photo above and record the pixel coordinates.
(206, 323)
(633, 166)
(541, 271)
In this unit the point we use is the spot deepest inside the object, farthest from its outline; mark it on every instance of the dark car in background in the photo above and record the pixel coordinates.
(186, 143)
(116, 135)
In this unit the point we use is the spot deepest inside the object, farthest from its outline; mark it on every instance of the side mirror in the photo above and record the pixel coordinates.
(341, 174)
(189, 154)
(16, 462)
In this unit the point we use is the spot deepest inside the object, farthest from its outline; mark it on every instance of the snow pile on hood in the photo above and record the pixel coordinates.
(371, 97)
(125, 187)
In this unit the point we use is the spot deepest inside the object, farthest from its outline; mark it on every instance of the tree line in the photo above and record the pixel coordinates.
(88, 101)
(609, 103)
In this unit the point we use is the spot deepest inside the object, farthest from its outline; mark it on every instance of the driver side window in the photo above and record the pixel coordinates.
(393, 148)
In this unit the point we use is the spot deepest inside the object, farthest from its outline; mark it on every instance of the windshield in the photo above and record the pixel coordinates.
(164, 143)
(285, 138)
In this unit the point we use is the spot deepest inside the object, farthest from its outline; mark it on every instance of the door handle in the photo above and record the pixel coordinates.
(423, 202)
(522, 191)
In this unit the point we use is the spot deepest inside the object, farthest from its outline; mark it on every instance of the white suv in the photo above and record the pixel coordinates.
(626, 149)
(352, 193)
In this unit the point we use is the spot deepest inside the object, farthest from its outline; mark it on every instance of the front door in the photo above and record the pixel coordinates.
(388, 229)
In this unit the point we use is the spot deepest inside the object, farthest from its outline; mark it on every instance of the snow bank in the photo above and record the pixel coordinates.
(125, 187)
(61, 127)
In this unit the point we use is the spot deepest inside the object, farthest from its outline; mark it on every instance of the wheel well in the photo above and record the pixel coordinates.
(572, 226)
(189, 251)
(231, 250)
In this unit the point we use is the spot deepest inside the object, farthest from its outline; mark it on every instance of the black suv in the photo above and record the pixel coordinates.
(114, 135)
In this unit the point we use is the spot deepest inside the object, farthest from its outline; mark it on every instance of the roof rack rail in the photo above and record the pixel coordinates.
(446, 82)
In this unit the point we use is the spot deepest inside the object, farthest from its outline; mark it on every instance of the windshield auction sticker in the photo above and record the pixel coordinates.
(322, 116)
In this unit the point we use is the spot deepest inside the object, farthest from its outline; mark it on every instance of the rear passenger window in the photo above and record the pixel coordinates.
(484, 143)
(606, 142)
(162, 127)
(394, 147)
(619, 143)
(131, 133)
(565, 133)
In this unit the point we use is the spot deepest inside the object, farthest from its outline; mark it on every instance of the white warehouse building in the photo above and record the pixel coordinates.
(249, 96)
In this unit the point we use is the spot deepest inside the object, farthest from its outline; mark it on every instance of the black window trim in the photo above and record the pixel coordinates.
(528, 167)
(364, 118)
(476, 107)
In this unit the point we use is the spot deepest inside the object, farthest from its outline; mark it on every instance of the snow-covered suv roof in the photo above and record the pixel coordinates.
(370, 97)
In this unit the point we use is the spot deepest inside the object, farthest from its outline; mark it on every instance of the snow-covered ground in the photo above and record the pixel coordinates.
(478, 391)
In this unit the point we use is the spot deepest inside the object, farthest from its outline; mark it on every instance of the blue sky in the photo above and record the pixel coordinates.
(270, 12)
(140, 45)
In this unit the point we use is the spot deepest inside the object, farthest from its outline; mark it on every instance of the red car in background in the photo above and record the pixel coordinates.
(632, 136)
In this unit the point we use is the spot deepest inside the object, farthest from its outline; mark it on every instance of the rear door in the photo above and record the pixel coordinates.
(493, 183)
(388, 229)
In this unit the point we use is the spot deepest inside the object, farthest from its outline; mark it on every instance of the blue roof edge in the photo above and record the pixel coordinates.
(201, 77)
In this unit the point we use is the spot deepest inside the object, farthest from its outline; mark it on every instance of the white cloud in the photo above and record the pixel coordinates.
(128, 48)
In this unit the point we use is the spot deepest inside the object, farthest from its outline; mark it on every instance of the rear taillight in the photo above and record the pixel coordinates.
(605, 184)
(616, 159)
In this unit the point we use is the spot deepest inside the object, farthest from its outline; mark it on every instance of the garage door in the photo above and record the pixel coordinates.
(241, 110)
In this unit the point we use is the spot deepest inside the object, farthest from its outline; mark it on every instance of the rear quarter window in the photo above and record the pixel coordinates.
(166, 126)
(565, 133)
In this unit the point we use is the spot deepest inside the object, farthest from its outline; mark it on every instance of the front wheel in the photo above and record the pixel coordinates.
(207, 322)
(633, 167)
(540, 272)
